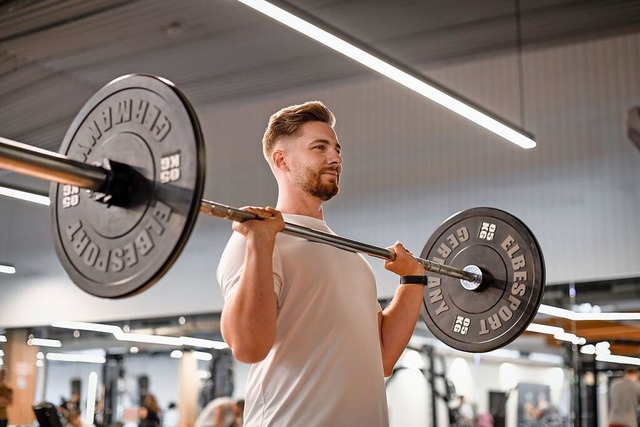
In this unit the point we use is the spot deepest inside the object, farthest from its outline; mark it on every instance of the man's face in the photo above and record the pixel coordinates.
(315, 161)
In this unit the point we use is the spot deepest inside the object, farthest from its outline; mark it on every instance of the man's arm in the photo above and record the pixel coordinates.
(248, 321)
(397, 322)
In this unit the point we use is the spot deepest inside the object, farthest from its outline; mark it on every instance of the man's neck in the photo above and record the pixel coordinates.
(300, 204)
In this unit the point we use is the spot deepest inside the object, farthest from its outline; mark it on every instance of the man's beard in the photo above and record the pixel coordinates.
(311, 183)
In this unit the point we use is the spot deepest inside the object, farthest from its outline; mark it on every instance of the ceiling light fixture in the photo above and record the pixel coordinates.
(624, 360)
(544, 329)
(85, 326)
(572, 315)
(43, 342)
(397, 72)
(25, 195)
(7, 269)
(204, 375)
(92, 389)
(3, 338)
(557, 332)
(569, 337)
(201, 355)
(141, 338)
(75, 357)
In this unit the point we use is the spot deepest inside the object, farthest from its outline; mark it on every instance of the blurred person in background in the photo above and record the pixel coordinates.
(149, 412)
(624, 398)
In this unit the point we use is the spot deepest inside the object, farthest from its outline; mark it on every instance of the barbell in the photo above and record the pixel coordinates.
(136, 151)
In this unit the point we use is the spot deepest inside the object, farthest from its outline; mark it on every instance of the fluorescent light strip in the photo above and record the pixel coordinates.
(569, 337)
(198, 355)
(143, 338)
(544, 329)
(7, 269)
(201, 355)
(203, 343)
(558, 333)
(84, 326)
(25, 195)
(149, 339)
(572, 315)
(603, 348)
(43, 342)
(91, 398)
(625, 360)
(75, 357)
(204, 375)
(404, 78)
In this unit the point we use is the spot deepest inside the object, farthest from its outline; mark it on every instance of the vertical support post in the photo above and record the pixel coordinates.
(188, 400)
(20, 361)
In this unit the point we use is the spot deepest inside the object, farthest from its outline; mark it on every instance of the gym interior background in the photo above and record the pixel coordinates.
(568, 72)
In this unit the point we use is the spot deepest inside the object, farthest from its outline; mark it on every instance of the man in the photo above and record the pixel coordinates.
(6, 398)
(624, 398)
(306, 314)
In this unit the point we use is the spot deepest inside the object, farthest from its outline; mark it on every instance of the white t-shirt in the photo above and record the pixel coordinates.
(325, 367)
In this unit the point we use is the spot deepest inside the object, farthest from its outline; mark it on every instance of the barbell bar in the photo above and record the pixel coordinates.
(37, 163)
(137, 149)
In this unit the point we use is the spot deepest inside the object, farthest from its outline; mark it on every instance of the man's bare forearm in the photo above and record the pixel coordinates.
(398, 324)
(249, 316)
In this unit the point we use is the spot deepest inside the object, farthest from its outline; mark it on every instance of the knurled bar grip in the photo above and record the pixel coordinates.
(38, 163)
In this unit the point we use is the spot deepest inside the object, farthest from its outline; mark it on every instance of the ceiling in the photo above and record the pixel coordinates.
(222, 51)
(55, 54)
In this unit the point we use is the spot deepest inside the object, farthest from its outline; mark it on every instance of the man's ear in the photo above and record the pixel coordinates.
(278, 160)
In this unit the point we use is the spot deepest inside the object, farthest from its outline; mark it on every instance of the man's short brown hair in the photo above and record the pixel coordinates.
(288, 120)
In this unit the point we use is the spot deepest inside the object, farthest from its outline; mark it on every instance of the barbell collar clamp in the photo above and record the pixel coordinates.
(472, 285)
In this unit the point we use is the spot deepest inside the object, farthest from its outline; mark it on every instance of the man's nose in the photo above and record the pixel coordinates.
(335, 157)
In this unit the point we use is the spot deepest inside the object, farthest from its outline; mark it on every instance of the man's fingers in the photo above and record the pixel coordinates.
(263, 213)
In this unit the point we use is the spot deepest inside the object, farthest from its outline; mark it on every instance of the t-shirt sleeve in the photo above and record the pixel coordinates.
(231, 267)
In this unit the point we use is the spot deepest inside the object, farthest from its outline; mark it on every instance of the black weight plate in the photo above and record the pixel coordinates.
(498, 311)
(147, 123)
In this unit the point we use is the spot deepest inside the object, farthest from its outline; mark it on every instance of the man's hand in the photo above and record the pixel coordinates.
(405, 263)
(270, 223)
